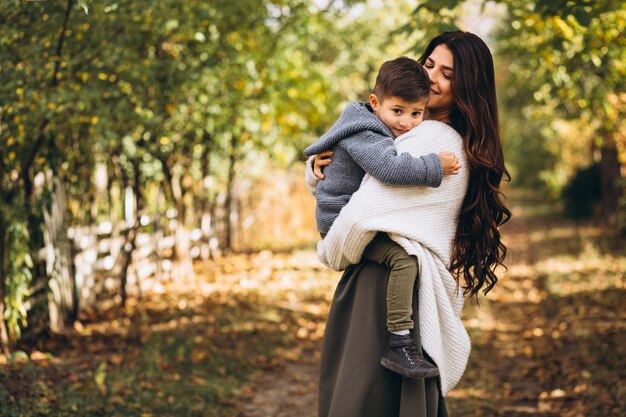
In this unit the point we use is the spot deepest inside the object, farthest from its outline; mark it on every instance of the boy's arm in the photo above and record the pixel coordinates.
(378, 156)
(309, 177)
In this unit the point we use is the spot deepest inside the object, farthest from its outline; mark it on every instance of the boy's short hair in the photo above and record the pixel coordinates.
(404, 78)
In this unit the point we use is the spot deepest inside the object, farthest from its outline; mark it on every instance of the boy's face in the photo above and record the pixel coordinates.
(399, 115)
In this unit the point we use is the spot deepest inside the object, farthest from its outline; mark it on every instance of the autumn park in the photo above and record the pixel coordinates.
(157, 237)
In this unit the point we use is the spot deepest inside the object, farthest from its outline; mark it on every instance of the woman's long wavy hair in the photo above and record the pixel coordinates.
(477, 248)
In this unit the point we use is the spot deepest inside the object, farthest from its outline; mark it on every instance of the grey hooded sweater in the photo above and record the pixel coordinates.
(363, 144)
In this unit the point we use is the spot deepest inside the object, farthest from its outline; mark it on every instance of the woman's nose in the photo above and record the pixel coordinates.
(431, 75)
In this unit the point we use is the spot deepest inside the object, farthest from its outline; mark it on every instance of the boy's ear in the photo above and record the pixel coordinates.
(374, 102)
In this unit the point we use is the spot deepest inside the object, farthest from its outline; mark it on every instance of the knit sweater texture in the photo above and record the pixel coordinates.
(361, 144)
(423, 221)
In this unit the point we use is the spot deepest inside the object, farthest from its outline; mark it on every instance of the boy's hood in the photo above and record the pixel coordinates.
(357, 117)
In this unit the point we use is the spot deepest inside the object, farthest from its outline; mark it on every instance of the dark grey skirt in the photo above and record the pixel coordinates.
(352, 381)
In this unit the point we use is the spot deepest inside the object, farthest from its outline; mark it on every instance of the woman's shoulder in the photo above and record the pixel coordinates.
(430, 133)
(439, 128)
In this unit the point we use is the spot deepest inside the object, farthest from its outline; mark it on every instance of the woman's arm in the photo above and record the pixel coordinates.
(422, 214)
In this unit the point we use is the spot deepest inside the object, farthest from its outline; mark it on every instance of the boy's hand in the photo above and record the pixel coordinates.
(321, 160)
(449, 163)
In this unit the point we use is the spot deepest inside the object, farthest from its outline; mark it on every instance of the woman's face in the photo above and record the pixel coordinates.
(440, 68)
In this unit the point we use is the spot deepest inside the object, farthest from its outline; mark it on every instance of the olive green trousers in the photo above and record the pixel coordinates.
(402, 277)
(352, 381)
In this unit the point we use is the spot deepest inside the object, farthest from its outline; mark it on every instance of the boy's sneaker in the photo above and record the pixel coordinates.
(403, 357)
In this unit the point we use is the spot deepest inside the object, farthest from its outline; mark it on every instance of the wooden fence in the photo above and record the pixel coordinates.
(274, 213)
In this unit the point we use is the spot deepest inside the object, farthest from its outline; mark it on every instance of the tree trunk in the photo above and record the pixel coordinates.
(183, 263)
(204, 202)
(610, 174)
(127, 251)
(63, 297)
(205, 168)
(131, 235)
(230, 213)
(114, 216)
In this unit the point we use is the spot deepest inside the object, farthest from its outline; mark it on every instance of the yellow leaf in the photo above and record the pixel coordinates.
(100, 377)
(116, 359)
(566, 29)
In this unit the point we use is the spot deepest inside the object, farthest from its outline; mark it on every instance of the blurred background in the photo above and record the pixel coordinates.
(151, 152)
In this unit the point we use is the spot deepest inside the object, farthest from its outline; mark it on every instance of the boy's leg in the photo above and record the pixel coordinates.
(401, 355)
(402, 278)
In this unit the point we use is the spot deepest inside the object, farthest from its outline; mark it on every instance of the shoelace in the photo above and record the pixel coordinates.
(412, 354)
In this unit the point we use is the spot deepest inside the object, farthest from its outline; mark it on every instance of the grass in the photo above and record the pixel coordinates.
(193, 348)
(178, 371)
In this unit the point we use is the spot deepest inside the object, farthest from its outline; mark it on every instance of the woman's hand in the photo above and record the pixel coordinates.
(321, 160)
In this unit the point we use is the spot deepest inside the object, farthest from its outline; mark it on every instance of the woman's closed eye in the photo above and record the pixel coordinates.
(429, 64)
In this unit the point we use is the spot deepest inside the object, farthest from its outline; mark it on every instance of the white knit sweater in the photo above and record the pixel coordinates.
(423, 221)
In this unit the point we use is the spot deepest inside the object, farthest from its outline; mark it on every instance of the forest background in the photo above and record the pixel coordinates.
(141, 143)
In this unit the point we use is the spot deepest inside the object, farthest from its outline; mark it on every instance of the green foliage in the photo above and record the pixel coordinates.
(582, 195)
(429, 19)
(196, 368)
(84, 4)
(567, 67)
(528, 160)
(18, 269)
(172, 93)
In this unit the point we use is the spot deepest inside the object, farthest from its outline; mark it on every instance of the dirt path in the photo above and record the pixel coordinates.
(287, 392)
(548, 341)
(289, 389)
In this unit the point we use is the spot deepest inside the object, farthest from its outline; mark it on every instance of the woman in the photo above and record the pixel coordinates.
(468, 211)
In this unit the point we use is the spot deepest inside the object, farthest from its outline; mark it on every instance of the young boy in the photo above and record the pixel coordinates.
(362, 140)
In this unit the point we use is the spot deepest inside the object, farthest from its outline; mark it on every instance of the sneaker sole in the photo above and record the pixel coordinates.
(389, 365)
